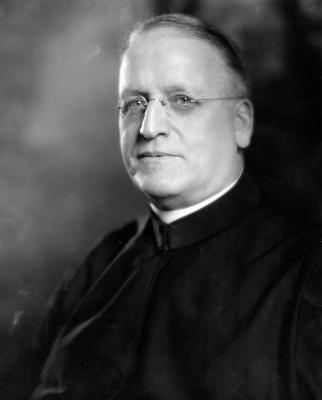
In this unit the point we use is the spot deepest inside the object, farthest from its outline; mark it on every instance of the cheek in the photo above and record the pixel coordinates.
(126, 149)
(209, 141)
(128, 135)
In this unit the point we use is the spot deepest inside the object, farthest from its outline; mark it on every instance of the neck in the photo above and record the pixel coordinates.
(169, 216)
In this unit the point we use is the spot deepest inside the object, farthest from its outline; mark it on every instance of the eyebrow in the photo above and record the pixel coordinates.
(184, 88)
(129, 92)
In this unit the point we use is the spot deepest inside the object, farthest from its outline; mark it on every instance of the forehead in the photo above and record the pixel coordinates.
(165, 56)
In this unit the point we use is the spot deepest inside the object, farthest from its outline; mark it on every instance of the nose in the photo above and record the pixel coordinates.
(155, 121)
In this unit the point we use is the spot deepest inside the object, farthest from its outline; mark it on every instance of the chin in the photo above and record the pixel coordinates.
(158, 189)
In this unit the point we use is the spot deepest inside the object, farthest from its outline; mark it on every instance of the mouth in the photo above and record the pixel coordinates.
(154, 154)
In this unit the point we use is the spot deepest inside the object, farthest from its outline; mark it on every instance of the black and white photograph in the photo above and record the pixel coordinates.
(160, 200)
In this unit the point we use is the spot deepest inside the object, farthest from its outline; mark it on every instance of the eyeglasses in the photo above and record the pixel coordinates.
(135, 106)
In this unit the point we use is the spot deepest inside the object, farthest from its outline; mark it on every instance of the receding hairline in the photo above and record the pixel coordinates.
(227, 77)
(195, 28)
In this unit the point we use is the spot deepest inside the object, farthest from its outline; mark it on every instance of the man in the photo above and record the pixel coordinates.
(211, 297)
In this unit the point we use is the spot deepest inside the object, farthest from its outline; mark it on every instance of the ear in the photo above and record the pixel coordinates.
(244, 122)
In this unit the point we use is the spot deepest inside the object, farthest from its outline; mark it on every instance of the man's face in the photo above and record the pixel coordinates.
(180, 158)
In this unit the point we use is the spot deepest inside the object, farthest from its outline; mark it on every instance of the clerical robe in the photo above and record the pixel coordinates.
(222, 304)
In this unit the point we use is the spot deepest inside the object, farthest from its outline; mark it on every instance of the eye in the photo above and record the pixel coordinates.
(182, 100)
(133, 105)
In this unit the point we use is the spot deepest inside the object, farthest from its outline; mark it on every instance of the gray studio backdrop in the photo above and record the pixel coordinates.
(62, 185)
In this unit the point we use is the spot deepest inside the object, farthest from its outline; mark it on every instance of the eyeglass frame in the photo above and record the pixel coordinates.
(166, 102)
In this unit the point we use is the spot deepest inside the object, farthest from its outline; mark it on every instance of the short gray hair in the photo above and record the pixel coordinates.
(198, 28)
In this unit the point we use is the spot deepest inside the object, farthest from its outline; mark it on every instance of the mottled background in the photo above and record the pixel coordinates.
(62, 184)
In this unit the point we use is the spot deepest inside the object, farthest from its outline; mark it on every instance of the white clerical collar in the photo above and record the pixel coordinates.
(168, 216)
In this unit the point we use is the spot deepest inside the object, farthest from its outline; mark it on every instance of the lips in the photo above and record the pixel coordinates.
(155, 154)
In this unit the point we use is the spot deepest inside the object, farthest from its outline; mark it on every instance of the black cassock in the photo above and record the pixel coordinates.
(222, 304)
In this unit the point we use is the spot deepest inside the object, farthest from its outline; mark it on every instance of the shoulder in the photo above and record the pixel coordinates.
(76, 283)
(106, 249)
(312, 292)
(309, 326)
(271, 227)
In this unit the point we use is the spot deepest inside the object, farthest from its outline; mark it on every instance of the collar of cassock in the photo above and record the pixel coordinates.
(208, 221)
